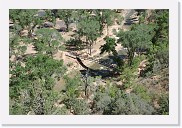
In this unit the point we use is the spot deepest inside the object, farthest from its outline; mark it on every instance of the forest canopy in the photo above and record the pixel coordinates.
(88, 62)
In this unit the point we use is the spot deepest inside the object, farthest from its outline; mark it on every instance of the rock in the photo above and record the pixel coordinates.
(30, 113)
(24, 32)
(63, 55)
(117, 38)
(101, 68)
(41, 13)
(60, 24)
(156, 104)
(119, 84)
(141, 67)
(10, 22)
(128, 90)
(95, 84)
(143, 64)
(11, 26)
(72, 26)
(48, 24)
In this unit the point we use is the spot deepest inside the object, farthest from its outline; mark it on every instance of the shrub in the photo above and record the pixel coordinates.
(102, 102)
(80, 107)
(142, 92)
(132, 104)
(164, 105)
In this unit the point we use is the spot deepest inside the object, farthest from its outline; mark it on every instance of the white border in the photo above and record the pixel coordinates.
(171, 119)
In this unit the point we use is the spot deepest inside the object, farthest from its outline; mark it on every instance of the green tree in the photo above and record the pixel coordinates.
(90, 29)
(133, 40)
(31, 86)
(107, 17)
(26, 18)
(162, 26)
(48, 41)
(109, 46)
(15, 48)
(159, 53)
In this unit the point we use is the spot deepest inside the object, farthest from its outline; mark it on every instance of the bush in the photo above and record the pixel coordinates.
(80, 107)
(61, 111)
(102, 102)
(164, 105)
(142, 92)
(127, 76)
(73, 86)
(114, 31)
(131, 104)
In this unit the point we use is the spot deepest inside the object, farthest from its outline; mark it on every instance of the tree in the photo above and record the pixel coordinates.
(31, 86)
(74, 87)
(41, 66)
(162, 26)
(16, 48)
(48, 41)
(90, 29)
(32, 78)
(109, 46)
(26, 18)
(107, 17)
(135, 41)
(159, 53)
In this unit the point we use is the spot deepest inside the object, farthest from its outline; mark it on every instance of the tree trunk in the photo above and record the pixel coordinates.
(30, 32)
(86, 40)
(107, 30)
(67, 24)
(130, 57)
(67, 27)
(90, 48)
(101, 28)
(49, 44)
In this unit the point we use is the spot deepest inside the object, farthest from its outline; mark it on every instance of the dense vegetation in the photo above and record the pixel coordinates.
(137, 83)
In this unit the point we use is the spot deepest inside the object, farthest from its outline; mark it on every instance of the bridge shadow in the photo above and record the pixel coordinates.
(97, 72)
(130, 21)
(103, 73)
(109, 61)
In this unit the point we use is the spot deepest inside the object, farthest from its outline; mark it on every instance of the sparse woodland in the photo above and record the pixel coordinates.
(125, 53)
